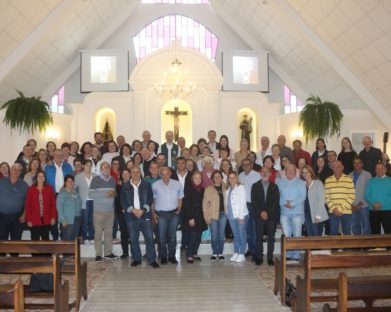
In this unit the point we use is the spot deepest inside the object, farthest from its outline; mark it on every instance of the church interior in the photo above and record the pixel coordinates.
(190, 66)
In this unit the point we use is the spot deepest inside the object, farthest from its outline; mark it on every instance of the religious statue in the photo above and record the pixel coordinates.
(176, 113)
(107, 134)
(246, 128)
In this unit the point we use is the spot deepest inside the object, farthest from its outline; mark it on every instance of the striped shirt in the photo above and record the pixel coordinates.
(340, 193)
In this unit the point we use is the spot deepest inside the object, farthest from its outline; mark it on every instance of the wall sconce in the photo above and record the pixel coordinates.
(52, 134)
(297, 134)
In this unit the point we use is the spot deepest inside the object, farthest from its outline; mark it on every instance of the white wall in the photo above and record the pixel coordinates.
(12, 142)
(145, 14)
(354, 121)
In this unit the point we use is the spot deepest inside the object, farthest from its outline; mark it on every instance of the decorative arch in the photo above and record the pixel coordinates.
(101, 116)
(163, 30)
(250, 115)
(184, 121)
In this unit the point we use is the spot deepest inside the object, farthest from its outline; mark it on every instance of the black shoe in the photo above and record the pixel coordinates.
(124, 256)
(163, 260)
(155, 265)
(190, 260)
(172, 260)
(135, 263)
(221, 258)
(270, 262)
(98, 259)
(247, 254)
(253, 259)
(213, 258)
(197, 258)
(258, 261)
(111, 257)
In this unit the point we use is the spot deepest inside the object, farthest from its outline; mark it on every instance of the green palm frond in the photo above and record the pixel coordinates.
(27, 113)
(320, 119)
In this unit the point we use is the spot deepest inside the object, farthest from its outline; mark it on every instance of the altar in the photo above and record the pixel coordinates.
(209, 107)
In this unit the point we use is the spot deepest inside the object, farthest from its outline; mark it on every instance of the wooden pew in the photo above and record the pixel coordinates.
(366, 288)
(319, 243)
(13, 295)
(72, 264)
(307, 285)
(30, 265)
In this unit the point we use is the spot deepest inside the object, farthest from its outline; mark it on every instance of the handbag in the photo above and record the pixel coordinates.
(41, 282)
(290, 292)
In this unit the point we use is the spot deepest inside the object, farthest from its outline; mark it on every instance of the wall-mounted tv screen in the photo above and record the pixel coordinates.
(104, 70)
(246, 71)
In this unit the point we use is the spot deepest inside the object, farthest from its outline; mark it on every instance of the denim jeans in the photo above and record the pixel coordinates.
(292, 226)
(168, 224)
(251, 230)
(360, 222)
(346, 222)
(71, 231)
(239, 232)
(312, 229)
(194, 243)
(217, 230)
(144, 226)
(88, 221)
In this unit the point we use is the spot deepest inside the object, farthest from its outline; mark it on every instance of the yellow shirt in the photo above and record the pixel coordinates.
(340, 193)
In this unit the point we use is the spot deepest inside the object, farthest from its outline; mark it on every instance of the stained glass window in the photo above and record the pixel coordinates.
(57, 102)
(292, 103)
(162, 31)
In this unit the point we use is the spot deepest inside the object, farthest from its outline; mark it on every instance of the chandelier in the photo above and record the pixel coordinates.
(175, 83)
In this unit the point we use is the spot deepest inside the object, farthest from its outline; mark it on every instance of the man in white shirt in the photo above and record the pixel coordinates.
(248, 177)
(264, 151)
(213, 145)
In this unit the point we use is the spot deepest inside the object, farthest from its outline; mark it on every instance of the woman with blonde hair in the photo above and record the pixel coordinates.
(314, 205)
(214, 206)
(237, 216)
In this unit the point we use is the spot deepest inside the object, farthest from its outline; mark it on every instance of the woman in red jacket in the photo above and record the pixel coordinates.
(40, 208)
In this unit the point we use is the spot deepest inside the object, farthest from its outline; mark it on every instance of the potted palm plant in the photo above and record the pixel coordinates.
(27, 113)
(320, 119)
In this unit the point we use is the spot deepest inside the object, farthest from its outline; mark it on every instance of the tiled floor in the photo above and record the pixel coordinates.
(202, 286)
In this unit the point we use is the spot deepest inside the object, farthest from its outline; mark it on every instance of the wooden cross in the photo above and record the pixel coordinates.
(176, 113)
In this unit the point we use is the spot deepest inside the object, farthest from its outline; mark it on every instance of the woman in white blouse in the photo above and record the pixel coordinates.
(237, 216)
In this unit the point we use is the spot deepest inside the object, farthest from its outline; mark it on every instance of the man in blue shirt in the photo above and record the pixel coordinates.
(248, 177)
(378, 196)
(167, 194)
(292, 196)
(13, 194)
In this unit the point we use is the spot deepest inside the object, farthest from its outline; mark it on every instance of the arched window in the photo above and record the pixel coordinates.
(162, 31)
(57, 102)
(292, 103)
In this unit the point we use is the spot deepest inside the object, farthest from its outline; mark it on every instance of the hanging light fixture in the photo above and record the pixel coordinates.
(175, 83)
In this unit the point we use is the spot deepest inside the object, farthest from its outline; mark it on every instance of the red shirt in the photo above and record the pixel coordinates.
(273, 175)
(114, 175)
(301, 154)
(32, 207)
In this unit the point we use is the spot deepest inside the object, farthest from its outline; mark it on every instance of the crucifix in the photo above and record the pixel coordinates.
(176, 113)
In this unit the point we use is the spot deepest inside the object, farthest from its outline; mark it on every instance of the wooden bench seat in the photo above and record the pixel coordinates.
(307, 285)
(70, 263)
(12, 295)
(25, 265)
(319, 243)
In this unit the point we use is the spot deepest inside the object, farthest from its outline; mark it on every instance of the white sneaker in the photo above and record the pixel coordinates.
(234, 257)
(240, 259)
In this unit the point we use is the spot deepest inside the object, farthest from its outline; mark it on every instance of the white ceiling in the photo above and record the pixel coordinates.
(339, 39)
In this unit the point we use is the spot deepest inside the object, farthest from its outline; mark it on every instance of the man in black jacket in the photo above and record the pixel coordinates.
(265, 198)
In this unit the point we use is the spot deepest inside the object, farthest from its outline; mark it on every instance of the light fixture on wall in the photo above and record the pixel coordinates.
(175, 83)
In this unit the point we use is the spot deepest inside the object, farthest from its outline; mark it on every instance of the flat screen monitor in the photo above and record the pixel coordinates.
(104, 70)
(246, 71)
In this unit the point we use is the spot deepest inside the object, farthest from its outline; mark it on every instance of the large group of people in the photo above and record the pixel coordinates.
(91, 192)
